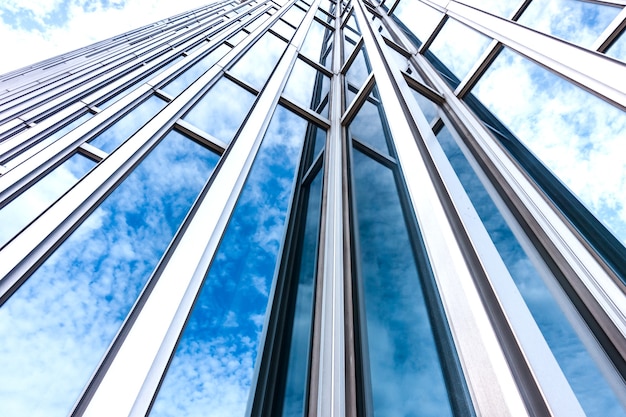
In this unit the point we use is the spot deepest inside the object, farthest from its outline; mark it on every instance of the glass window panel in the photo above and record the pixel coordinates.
(579, 22)
(128, 125)
(357, 73)
(458, 47)
(258, 63)
(320, 141)
(618, 48)
(211, 372)
(63, 318)
(257, 22)
(294, 16)
(351, 24)
(578, 136)
(417, 18)
(502, 8)
(405, 372)
(222, 110)
(283, 29)
(307, 86)
(191, 74)
(324, 17)
(367, 127)
(349, 43)
(317, 39)
(325, 4)
(53, 137)
(594, 393)
(295, 398)
(29, 204)
(237, 37)
(426, 106)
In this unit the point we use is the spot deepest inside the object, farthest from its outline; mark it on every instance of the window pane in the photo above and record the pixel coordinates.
(458, 47)
(579, 22)
(404, 367)
(307, 86)
(211, 372)
(418, 18)
(32, 202)
(316, 42)
(62, 319)
(367, 127)
(258, 63)
(299, 354)
(128, 125)
(426, 106)
(222, 110)
(574, 358)
(283, 29)
(575, 134)
(618, 48)
(502, 8)
(194, 72)
(294, 16)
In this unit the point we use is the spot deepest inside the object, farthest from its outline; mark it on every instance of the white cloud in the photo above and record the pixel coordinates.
(46, 28)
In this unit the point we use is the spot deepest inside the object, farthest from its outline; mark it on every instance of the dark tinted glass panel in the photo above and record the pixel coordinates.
(294, 403)
(367, 127)
(258, 63)
(401, 356)
(128, 125)
(307, 86)
(211, 372)
(28, 205)
(191, 74)
(62, 319)
(592, 389)
(222, 110)
(579, 22)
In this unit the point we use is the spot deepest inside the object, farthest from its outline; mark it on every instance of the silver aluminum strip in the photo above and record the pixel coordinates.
(489, 379)
(611, 33)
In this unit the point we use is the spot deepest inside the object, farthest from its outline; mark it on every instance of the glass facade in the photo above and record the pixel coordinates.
(320, 207)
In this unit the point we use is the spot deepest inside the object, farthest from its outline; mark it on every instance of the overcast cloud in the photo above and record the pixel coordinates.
(39, 29)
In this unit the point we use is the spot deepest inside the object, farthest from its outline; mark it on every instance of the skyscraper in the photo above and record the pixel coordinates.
(266, 207)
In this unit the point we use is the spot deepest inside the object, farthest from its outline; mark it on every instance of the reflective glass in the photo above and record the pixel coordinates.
(458, 47)
(578, 136)
(351, 24)
(294, 403)
(257, 22)
(306, 86)
(325, 4)
(57, 326)
(191, 74)
(317, 39)
(357, 74)
(579, 22)
(28, 205)
(211, 372)
(502, 8)
(324, 17)
(426, 106)
(222, 110)
(618, 48)
(405, 372)
(128, 125)
(294, 16)
(258, 63)
(50, 139)
(283, 29)
(584, 375)
(237, 37)
(418, 18)
(350, 39)
(367, 127)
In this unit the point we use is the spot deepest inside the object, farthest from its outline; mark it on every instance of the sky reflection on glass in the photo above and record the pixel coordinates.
(222, 110)
(299, 353)
(579, 22)
(32, 202)
(315, 42)
(368, 128)
(405, 370)
(294, 16)
(258, 63)
(283, 29)
(191, 74)
(59, 323)
(502, 8)
(588, 383)
(357, 73)
(211, 372)
(459, 47)
(124, 128)
(618, 48)
(426, 106)
(307, 86)
(576, 135)
(419, 18)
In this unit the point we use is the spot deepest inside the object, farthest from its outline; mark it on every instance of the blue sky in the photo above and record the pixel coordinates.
(38, 29)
